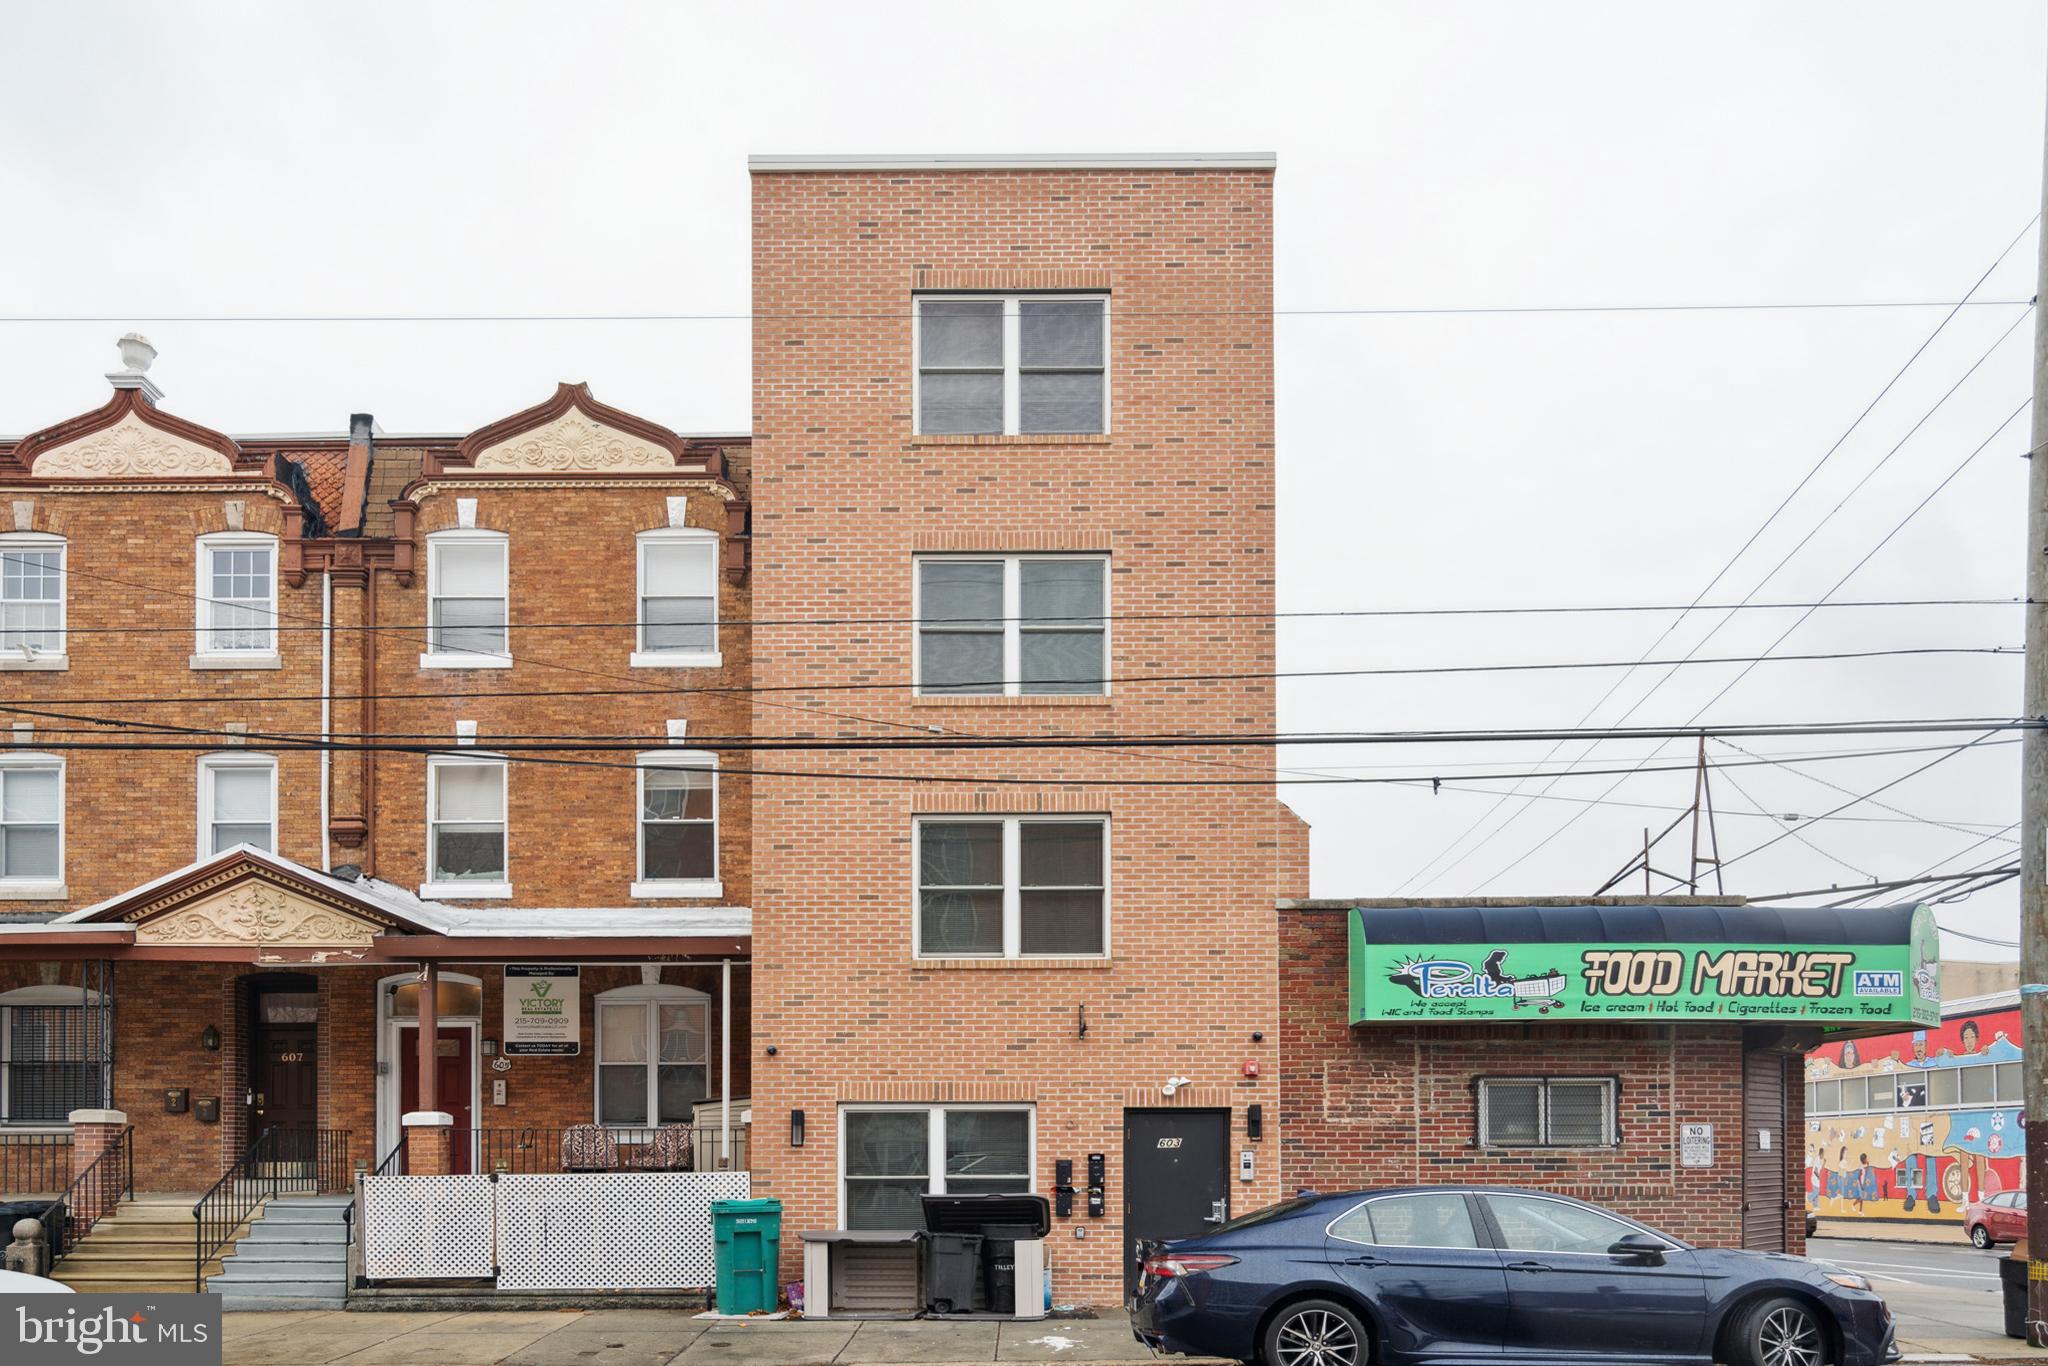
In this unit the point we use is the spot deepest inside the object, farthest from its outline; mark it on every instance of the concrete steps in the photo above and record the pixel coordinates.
(293, 1255)
(146, 1244)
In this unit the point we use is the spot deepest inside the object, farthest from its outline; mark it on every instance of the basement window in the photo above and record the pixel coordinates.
(1547, 1112)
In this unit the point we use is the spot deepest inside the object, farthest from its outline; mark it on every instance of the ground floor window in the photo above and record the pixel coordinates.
(52, 1058)
(1546, 1112)
(891, 1155)
(653, 1055)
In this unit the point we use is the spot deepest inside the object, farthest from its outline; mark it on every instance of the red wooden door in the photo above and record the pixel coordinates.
(453, 1085)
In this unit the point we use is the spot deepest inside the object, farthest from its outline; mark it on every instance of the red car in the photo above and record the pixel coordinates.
(2001, 1219)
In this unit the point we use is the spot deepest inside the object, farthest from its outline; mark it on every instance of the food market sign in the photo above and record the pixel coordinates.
(543, 1011)
(1468, 977)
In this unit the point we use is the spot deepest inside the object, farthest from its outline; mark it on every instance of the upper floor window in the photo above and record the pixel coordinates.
(1016, 363)
(237, 599)
(678, 621)
(467, 601)
(237, 802)
(466, 854)
(1012, 888)
(678, 825)
(31, 600)
(1020, 625)
(31, 825)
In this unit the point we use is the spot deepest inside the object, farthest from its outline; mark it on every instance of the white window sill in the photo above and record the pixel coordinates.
(676, 659)
(13, 662)
(34, 891)
(460, 660)
(654, 891)
(466, 891)
(238, 659)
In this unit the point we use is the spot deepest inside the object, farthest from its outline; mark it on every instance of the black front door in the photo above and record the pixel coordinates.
(286, 1079)
(1176, 1177)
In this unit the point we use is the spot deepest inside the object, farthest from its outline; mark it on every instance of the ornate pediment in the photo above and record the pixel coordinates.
(131, 448)
(257, 914)
(573, 444)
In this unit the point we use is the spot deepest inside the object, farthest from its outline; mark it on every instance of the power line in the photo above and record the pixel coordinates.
(1729, 565)
(1890, 886)
(1847, 792)
(1387, 311)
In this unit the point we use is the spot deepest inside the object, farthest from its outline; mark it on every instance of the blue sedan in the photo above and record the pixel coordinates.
(1460, 1275)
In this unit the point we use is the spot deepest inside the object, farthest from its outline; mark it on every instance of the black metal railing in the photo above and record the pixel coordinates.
(591, 1148)
(33, 1164)
(92, 1195)
(279, 1162)
(394, 1161)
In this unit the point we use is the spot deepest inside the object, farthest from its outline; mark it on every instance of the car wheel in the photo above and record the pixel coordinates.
(1780, 1332)
(1980, 1236)
(1316, 1333)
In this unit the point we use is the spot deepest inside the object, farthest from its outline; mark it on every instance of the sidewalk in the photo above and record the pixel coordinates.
(653, 1337)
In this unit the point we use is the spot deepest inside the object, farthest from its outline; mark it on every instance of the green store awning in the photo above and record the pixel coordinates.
(1760, 964)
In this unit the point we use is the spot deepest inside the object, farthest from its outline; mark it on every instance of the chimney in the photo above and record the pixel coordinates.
(136, 356)
(355, 475)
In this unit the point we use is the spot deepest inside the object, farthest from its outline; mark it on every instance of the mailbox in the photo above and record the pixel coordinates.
(177, 1100)
(207, 1110)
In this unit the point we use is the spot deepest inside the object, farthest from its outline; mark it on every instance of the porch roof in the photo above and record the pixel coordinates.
(245, 904)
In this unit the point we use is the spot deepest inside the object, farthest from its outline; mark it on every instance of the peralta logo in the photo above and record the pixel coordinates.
(1446, 978)
(1871, 983)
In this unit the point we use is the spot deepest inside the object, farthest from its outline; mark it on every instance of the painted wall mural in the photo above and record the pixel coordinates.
(1917, 1124)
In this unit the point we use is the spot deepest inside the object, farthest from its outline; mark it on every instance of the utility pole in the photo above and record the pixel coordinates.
(2034, 803)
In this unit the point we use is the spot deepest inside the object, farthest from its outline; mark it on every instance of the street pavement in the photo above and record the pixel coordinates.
(1944, 1296)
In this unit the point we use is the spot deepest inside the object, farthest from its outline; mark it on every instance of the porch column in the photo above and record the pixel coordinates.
(429, 1037)
(93, 1133)
(725, 1063)
(429, 1139)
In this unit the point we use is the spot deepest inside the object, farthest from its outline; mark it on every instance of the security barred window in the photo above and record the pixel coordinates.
(1029, 364)
(1012, 888)
(1012, 625)
(1547, 1112)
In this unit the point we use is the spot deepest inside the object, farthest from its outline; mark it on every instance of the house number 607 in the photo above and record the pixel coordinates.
(291, 1057)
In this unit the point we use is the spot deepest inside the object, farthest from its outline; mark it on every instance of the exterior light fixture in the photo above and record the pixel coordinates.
(796, 1128)
(210, 1039)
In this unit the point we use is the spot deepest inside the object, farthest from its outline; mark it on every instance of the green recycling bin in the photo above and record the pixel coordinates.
(748, 1234)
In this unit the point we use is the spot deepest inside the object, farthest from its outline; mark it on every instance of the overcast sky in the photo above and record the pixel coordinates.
(172, 159)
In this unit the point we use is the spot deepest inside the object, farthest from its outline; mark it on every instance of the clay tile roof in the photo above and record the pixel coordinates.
(391, 469)
(325, 471)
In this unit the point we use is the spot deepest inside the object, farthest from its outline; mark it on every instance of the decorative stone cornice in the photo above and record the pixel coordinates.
(129, 437)
(254, 914)
(572, 433)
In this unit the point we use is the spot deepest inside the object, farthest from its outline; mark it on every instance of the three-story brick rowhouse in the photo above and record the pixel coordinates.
(1014, 480)
(355, 791)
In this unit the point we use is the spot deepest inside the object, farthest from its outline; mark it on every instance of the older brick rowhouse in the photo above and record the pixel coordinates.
(951, 967)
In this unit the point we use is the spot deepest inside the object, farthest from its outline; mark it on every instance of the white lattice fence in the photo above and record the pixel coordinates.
(611, 1230)
(428, 1227)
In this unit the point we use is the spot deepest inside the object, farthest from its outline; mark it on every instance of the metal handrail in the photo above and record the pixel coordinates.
(389, 1166)
(223, 1210)
(110, 1176)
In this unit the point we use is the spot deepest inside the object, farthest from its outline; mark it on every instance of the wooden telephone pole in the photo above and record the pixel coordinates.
(2034, 805)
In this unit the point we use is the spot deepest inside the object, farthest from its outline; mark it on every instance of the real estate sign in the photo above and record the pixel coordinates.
(543, 1010)
(1811, 983)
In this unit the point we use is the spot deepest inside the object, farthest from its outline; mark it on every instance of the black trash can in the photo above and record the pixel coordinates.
(952, 1262)
(2012, 1279)
(999, 1264)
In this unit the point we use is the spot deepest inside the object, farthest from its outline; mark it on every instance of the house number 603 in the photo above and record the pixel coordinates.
(1169, 1142)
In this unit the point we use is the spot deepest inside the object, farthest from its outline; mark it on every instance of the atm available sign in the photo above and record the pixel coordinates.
(1818, 983)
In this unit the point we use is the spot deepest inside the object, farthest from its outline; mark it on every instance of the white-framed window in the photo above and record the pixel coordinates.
(1016, 887)
(52, 1058)
(237, 608)
(468, 600)
(31, 827)
(237, 802)
(678, 824)
(1017, 364)
(653, 1055)
(891, 1155)
(678, 598)
(1547, 1112)
(1012, 625)
(466, 853)
(32, 600)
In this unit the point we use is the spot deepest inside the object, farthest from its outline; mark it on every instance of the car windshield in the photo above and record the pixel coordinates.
(1266, 1215)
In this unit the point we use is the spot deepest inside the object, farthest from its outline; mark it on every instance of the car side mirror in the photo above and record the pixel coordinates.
(1646, 1246)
